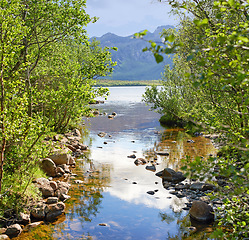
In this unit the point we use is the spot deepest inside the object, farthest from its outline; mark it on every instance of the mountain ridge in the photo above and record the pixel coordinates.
(132, 62)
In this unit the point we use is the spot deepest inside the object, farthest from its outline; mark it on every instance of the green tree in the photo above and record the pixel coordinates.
(211, 51)
(47, 70)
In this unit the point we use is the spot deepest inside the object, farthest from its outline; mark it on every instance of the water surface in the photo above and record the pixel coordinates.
(112, 202)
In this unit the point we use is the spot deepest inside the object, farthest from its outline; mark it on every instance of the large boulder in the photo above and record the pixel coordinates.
(170, 175)
(13, 230)
(60, 158)
(54, 210)
(201, 211)
(49, 167)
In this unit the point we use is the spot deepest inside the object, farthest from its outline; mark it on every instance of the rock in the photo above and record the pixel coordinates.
(44, 187)
(151, 192)
(83, 147)
(182, 186)
(78, 181)
(190, 141)
(54, 210)
(23, 218)
(4, 237)
(132, 156)
(41, 181)
(61, 192)
(52, 200)
(76, 132)
(140, 161)
(63, 185)
(64, 197)
(170, 175)
(151, 168)
(162, 153)
(49, 167)
(53, 185)
(201, 211)
(72, 148)
(38, 212)
(3, 230)
(13, 230)
(96, 112)
(103, 224)
(110, 116)
(46, 190)
(159, 174)
(202, 186)
(65, 168)
(60, 171)
(31, 225)
(114, 113)
(102, 134)
(60, 158)
(71, 161)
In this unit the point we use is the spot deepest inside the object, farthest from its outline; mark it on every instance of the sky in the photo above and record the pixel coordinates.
(126, 17)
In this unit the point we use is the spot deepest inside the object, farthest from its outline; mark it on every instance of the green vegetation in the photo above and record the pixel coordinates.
(47, 72)
(112, 83)
(208, 85)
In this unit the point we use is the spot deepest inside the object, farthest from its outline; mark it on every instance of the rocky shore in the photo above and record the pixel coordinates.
(54, 189)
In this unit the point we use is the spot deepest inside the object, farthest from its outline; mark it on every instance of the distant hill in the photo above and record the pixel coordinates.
(132, 62)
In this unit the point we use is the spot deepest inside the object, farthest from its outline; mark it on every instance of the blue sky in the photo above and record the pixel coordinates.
(125, 17)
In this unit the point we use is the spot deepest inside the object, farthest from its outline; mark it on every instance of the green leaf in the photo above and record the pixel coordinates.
(158, 57)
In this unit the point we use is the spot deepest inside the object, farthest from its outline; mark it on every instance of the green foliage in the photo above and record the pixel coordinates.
(47, 73)
(208, 85)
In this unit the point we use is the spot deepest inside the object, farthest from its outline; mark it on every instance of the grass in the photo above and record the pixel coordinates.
(112, 83)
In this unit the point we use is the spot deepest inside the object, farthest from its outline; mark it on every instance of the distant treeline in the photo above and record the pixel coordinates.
(111, 83)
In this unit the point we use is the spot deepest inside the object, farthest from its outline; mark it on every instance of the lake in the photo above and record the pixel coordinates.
(112, 202)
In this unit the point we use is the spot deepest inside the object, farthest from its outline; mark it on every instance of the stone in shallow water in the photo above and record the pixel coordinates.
(201, 211)
(151, 192)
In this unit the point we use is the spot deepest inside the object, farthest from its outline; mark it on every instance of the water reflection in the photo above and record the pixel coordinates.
(112, 201)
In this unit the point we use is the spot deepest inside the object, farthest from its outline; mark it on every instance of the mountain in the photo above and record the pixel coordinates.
(132, 62)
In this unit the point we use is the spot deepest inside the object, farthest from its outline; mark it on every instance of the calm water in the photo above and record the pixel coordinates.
(112, 202)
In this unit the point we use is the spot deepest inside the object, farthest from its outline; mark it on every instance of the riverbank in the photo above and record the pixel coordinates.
(53, 189)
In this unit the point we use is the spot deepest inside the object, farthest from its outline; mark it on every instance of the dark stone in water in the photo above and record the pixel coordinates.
(151, 192)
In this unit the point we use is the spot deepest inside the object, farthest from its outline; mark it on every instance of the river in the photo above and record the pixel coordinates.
(112, 202)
